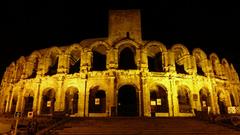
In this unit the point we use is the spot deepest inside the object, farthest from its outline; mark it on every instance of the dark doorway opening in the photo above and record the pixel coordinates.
(126, 60)
(99, 61)
(28, 105)
(127, 101)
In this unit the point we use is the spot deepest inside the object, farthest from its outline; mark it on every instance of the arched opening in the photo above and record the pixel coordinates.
(155, 62)
(180, 68)
(34, 69)
(53, 65)
(97, 101)
(232, 100)
(71, 100)
(127, 59)
(205, 99)
(127, 101)
(99, 58)
(74, 61)
(28, 105)
(200, 71)
(184, 101)
(14, 104)
(159, 100)
(48, 101)
(221, 103)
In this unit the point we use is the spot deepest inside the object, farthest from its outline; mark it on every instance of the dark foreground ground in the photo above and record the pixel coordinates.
(142, 126)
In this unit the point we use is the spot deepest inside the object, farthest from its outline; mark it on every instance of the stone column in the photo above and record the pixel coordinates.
(63, 64)
(59, 103)
(171, 61)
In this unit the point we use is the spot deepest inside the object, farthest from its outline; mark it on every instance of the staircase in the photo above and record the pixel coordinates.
(141, 126)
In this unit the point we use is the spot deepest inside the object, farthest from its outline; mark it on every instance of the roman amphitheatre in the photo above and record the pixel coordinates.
(120, 75)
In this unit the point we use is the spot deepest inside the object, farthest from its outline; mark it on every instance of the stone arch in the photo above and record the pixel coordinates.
(99, 55)
(52, 60)
(97, 100)
(97, 43)
(205, 98)
(225, 67)
(71, 100)
(126, 42)
(184, 100)
(159, 99)
(181, 57)
(28, 102)
(222, 102)
(155, 55)
(74, 58)
(215, 63)
(48, 101)
(201, 61)
(127, 100)
(20, 65)
(33, 62)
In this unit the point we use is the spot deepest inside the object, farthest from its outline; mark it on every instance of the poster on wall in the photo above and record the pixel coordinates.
(97, 101)
(153, 102)
(204, 103)
(232, 110)
(48, 103)
(159, 101)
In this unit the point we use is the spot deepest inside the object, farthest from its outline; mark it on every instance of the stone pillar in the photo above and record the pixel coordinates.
(146, 98)
(81, 98)
(140, 102)
(86, 100)
(63, 64)
(171, 61)
(36, 98)
(59, 103)
(165, 61)
(144, 61)
(138, 58)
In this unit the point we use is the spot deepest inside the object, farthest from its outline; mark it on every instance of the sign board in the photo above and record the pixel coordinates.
(159, 101)
(30, 114)
(232, 110)
(17, 114)
(97, 101)
(238, 110)
(195, 97)
(48, 103)
(204, 104)
(153, 102)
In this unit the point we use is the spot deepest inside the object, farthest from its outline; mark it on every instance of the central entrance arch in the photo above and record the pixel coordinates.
(127, 101)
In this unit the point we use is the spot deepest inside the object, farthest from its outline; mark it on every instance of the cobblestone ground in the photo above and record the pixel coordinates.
(142, 126)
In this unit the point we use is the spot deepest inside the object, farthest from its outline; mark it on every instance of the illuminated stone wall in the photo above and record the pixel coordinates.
(84, 79)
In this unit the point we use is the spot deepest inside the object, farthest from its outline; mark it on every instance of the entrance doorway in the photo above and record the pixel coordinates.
(127, 101)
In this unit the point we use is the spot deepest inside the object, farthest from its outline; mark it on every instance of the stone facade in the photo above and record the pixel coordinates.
(121, 75)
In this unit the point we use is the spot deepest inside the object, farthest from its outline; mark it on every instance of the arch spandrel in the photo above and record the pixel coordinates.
(214, 58)
(161, 47)
(99, 43)
(199, 54)
(28, 92)
(73, 47)
(52, 51)
(126, 42)
(179, 50)
(34, 55)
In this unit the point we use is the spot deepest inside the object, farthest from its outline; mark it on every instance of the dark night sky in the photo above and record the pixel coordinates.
(31, 25)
